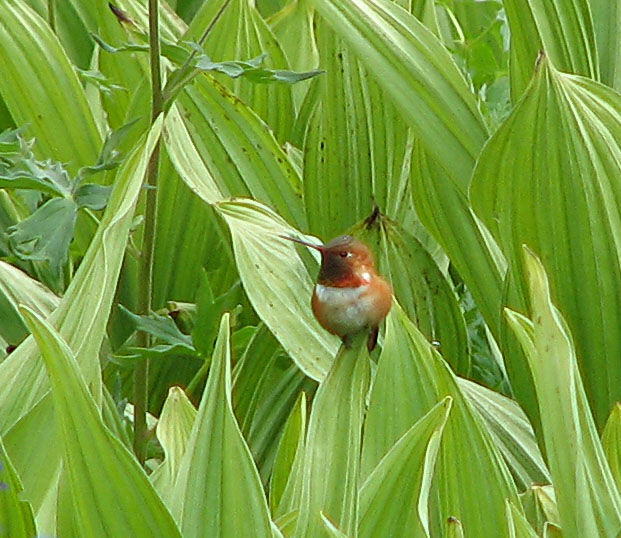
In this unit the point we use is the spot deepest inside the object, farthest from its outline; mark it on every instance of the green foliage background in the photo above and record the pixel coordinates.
(476, 146)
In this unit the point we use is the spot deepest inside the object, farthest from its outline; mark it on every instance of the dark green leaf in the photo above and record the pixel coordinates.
(162, 327)
(92, 196)
(46, 234)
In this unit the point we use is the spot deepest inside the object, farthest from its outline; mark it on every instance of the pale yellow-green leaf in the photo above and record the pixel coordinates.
(411, 378)
(173, 431)
(587, 497)
(40, 87)
(611, 441)
(548, 178)
(218, 491)
(110, 508)
(394, 499)
(278, 284)
(518, 524)
(330, 475)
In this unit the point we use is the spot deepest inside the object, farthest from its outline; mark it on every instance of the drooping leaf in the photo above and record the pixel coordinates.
(277, 284)
(588, 500)
(417, 73)
(119, 478)
(218, 461)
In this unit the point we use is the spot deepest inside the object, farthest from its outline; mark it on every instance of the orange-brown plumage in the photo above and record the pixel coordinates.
(349, 295)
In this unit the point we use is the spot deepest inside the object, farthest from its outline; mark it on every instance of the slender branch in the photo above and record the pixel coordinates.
(141, 374)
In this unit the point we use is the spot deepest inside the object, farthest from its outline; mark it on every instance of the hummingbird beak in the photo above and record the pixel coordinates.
(320, 248)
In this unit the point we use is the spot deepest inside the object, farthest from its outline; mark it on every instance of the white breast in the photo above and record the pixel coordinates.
(346, 308)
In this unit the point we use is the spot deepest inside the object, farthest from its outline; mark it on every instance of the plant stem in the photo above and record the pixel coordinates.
(141, 374)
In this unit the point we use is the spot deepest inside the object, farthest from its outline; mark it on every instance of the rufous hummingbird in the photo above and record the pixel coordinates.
(349, 295)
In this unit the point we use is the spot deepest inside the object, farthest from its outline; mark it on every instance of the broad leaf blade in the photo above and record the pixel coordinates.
(278, 284)
(401, 480)
(588, 500)
(332, 455)
(418, 74)
(548, 178)
(119, 478)
(218, 461)
(45, 90)
(411, 373)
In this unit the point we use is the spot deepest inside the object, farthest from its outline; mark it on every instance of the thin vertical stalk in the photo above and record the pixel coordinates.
(141, 374)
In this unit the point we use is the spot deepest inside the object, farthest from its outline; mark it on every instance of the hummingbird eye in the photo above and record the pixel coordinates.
(343, 254)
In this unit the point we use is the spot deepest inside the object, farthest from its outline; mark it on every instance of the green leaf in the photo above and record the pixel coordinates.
(46, 235)
(161, 327)
(92, 196)
(356, 149)
(512, 433)
(266, 384)
(548, 178)
(218, 461)
(611, 441)
(16, 517)
(332, 456)
(561, 28)
(240, 32)
(252, 70)
(44, 90)
(221, 149)
(16, 288)
(25, 401)
(278, 284)
(588, 500)
(422, 290)
(607, 26)
(173, 432)
(288, 458)
(402, 479)
(110, 508)
(418, 74)
(411, 378)
(518, 524)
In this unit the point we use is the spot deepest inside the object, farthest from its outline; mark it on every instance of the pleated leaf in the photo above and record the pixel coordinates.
(278, 284)
(512, 433)
(173, 432)
(518, 524)
(356, 146)
(588, 501)
(563, 29)
(418, 74)
(230, 151)
(105, 483)
(332, 455)
(548, 178)
(40, 88)
(411, 378)
(421, 288)
(218, 491)
(394, 498)
(241, 34)
(289, 458)
(266, 384)
(607, 28)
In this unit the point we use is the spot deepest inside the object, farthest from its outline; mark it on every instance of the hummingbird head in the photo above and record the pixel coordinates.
(345, 261)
